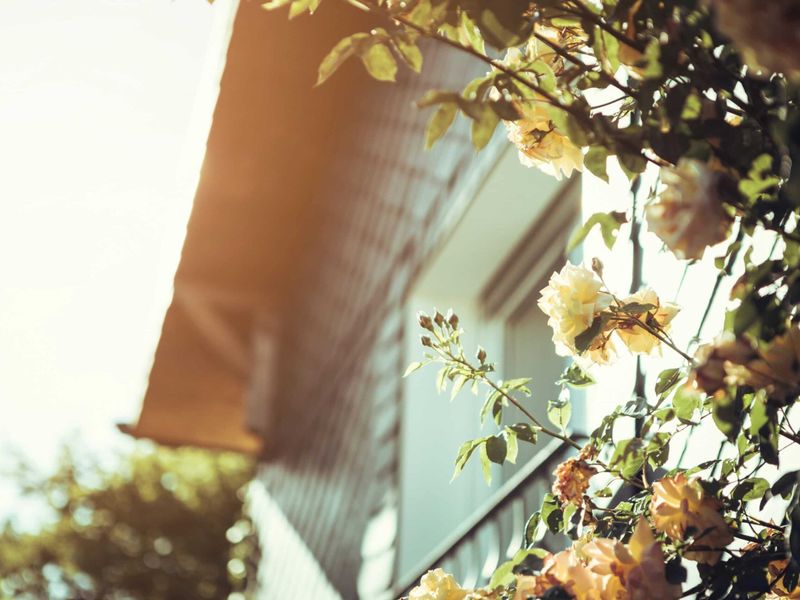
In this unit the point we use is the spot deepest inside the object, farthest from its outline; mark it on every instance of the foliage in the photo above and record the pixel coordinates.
(704, 93)
(162, 524)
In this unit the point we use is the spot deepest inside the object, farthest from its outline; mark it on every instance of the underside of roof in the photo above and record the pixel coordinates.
(251, 222)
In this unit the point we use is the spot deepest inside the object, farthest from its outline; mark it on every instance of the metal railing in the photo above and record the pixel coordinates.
(496, 531)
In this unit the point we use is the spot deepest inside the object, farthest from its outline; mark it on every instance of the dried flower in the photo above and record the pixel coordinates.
(571, 300)
(688, 216)
(637, 339)
(766, 33)
(572, 480)
(681, 508)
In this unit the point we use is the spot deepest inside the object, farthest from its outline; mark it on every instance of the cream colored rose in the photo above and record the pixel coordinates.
(437, 585)
(571, 301)
(716, 364)
(766, 33)
(680, 508)
(688, 216)
(540, 144)
(637, 339)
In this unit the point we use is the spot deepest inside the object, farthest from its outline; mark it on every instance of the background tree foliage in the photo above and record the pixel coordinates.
(162, 524)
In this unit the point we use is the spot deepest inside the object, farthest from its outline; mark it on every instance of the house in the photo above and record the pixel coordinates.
(320, 226)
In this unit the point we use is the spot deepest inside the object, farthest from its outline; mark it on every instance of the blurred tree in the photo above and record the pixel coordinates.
(163, 524)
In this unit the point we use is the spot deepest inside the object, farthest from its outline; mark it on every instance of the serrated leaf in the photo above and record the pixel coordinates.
(575, 377)
(409, 52)
(483, 126)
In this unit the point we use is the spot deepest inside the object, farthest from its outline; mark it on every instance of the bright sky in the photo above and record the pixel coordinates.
(104, 107)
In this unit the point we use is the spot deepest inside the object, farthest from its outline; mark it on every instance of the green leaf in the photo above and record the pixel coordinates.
(726, 410)
(486, 466)
(525, 432)
(628, 457)
(750, 489)
(575, 377)
(584, 340)
(596, 160)
(784, 485)
(458, 383)
(440, 122)
(559, 413)
(464, 453)
(408, 51)
(379, 62)
(636, 308)
(685, 402)
(512, 448)
(496, 449)
(492, 398)
(338, 55)
(667, 379)
(412, 367)
(484, 126)
(609, 226)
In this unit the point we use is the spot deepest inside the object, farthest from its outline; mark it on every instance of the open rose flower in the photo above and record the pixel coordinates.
(537, 138)
(438, 585)
(715, 363)
(688, 216)
(635, 570)
(571, 301)
(681, 508)
(766, 33)
(540, 143)
(637, 339)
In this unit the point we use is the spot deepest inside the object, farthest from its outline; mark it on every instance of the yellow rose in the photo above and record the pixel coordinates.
(680, 508)
(637, 339)
(437, 585)
(540, 144)
(777, 367)
(571, 301)
(688, 216)
(715, 363)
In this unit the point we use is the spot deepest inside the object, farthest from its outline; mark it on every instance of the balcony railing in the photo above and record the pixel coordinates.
(496, 531)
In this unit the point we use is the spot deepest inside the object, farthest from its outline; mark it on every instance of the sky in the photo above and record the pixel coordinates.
(104, 109)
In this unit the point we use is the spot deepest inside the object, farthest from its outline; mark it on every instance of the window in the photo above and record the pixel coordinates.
(521, 218)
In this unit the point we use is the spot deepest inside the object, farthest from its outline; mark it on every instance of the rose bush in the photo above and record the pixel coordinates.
(703, 96)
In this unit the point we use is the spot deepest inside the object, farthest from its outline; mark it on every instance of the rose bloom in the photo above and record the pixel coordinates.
(680, 508)
(637, 339)
(688, 216)
(635, 570)
(572, 480)
(767, 33)
(777, 367)
(571, 301)
(540, 144)
(716, 362)
(437, 585)
(779, 591)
